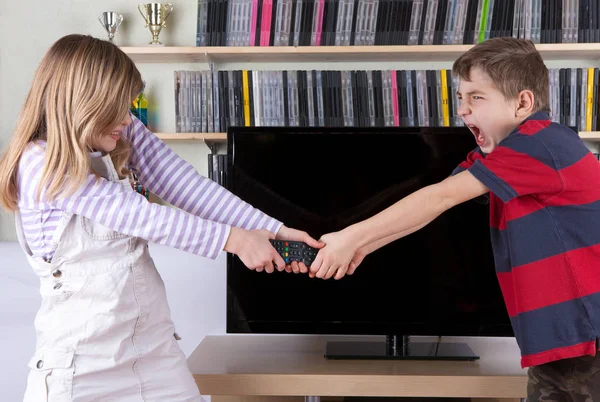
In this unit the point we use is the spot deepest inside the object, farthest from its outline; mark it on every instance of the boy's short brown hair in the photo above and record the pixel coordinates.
(513, 65)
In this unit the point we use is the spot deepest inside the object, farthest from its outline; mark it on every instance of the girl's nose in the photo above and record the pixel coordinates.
(126, 121)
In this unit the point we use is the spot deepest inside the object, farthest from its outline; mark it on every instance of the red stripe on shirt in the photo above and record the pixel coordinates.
(577, 179)
(497, 215)
(522, 206)
(531, 127)
(471, 158)
(522, 172)
(584, 262)
(505, 279)
(552, 280)
(581, 349)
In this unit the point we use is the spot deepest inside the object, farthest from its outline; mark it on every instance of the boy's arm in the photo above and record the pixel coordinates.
(376, 245)
(400, 219)
(417, 209)
(362, 252)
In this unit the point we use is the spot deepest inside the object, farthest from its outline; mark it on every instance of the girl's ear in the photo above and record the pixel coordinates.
(525, 103)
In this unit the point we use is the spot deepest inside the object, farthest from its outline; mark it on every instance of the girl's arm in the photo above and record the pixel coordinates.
(123, 210)
(174, 180)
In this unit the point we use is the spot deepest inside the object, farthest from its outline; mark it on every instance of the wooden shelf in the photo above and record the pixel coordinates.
(222, 137)
(590, 135)
(219, 54)
(213, 137)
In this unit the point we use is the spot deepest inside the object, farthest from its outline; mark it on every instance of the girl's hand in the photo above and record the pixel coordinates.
(286, 233)
(254, 249)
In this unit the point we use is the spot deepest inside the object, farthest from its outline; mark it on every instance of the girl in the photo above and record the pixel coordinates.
(104, 330)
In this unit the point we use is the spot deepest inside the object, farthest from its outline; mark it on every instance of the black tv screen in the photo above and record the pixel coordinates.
(437, 281)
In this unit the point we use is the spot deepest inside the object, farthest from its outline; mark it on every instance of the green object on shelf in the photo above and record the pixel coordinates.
(139, 107)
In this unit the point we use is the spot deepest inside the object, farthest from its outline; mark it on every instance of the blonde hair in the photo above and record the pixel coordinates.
(82, 88)
(512, 64)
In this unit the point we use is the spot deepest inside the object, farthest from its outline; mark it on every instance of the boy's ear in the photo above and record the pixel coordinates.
(525, 102)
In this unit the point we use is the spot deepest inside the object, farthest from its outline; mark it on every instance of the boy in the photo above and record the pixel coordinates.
(544, 193)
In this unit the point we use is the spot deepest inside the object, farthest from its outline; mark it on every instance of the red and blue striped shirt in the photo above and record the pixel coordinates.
(545, 230)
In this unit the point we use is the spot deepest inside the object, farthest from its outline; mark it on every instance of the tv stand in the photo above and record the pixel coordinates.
(398, 347)
(291, 368)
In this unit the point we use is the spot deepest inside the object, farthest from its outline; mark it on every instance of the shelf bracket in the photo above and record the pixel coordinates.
(211, 64)
(211, 145)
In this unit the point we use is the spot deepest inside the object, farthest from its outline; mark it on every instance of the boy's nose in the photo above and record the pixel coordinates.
(463, 109)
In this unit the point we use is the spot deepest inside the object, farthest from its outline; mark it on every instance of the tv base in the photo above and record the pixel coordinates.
(391, 349)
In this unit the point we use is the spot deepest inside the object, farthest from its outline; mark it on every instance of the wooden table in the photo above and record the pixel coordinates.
(289, 368)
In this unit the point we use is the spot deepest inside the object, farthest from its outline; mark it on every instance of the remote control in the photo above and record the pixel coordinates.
(295, 251)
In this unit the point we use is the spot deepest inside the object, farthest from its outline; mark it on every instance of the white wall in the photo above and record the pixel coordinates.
(29, 27)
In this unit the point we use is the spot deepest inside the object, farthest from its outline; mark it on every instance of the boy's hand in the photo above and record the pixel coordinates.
(359, 256)
(286, 233)
(254, 249)
(335, 258)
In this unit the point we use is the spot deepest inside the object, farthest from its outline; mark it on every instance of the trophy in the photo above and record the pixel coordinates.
(111, 21)
(156, 15)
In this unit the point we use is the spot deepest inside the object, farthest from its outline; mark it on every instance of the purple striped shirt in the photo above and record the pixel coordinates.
(200, 224)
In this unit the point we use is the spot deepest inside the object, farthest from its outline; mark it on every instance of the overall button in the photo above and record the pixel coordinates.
(39, 364)
(58, 286)
(57, 273)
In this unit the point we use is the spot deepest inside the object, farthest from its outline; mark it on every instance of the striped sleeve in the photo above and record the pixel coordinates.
(474, 155)
(174, 180)
(520, 165)
(125, 211)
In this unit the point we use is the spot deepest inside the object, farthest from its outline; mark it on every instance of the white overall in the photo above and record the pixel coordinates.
(104, 331)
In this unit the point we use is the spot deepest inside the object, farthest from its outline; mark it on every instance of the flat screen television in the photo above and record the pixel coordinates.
(439, 281)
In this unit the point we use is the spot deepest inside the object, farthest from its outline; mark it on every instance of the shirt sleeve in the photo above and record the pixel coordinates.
(174, 180)
(114, 206)
(468, 162)
(520, 165)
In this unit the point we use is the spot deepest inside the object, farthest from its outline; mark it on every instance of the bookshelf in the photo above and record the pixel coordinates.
(220, 54)
(221, 138)
(213, 137)
(261, 54)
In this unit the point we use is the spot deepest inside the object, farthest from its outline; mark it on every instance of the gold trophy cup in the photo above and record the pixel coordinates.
(155, 15)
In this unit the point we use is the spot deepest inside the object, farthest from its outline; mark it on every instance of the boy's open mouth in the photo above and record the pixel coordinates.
(479, 137)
